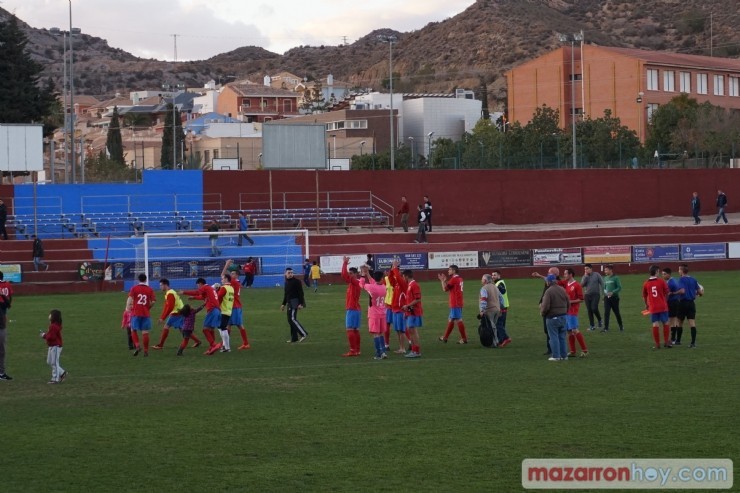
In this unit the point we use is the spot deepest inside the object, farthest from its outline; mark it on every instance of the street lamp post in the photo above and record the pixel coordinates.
(67, 86)
(413, 152)
(174, 88)
(429, 153)
(564, 38)
(390, 39)
(71, 94)
(362, 144)
(334, 145)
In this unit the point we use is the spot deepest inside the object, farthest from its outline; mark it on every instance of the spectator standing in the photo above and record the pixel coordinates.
(696, 208)
(38, 254)
(490, 303)
(421, 234)
(213, 228)
(294, 300)
(593, 285)
(3, 219)
(404, 213)
(307, 273)
(370, 262)
(501, 333)
(612, 288)
(243, 227)
(250, 269)
(428, 210)
(721, 204)
(553, 308)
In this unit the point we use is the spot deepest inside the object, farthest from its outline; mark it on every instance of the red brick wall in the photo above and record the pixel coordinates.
(470, 197)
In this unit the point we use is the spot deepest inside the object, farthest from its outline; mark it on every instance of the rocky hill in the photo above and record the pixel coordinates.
(483, 41)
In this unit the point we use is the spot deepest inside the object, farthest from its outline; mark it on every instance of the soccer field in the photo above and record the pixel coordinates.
(299, 417)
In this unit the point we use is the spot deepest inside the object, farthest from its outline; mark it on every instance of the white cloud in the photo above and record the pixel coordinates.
(209, 27)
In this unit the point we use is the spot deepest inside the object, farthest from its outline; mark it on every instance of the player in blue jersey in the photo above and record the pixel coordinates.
(689, 289)
(673, 305)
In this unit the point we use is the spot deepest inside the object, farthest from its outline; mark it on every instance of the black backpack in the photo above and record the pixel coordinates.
(486, 332)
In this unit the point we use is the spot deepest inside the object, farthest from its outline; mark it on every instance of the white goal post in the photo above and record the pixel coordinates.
(182, 257)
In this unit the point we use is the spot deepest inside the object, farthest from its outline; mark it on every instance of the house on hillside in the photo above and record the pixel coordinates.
(250, 102)
(631, 83)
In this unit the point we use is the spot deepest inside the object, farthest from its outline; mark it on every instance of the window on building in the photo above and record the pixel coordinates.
(651, 108)
(576, 76)
(719, 85)
(652, 80)
(685, 78)
(207, 157)
(733, 86)
(246, 103)
(215, 154)
(354, 124)
(287, 106)
(669, 81)
(701, 83)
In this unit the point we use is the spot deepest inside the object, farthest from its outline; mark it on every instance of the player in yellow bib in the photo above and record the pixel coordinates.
(170, 317)
(226, 299)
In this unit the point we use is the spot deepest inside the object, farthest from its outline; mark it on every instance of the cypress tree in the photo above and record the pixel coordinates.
(113, 142)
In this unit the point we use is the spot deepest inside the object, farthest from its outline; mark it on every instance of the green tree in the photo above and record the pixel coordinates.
(313, 99)
(22, 98)
(113, 142)
(605, 142)
(101, 169)
(167, 143)
(679, 111)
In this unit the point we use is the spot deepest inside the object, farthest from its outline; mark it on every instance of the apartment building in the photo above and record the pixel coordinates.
(631, 83)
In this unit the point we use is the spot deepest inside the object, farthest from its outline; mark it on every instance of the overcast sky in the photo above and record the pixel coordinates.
(208, 27)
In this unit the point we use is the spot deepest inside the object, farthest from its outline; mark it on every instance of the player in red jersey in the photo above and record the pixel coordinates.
(352, 307)
(575, 295)
(655, 293)
(454, 286)
(213, 312)
(6, 289)
(142, 299)
(237, 311)
(414, 313)
(399, 299)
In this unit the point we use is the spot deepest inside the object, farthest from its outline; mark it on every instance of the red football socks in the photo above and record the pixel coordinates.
(387, 335)
(461, 328)
(666, 333)
(448, 331)
(183, 344)
(656, 336)
(135, 338)
(146, 342)
(163, 337)
(243, 332)
(208, 333)
(572, 342)
(356, 337)
(581, 341)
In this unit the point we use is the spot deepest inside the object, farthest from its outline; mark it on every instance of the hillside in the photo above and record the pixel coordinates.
(484, 41)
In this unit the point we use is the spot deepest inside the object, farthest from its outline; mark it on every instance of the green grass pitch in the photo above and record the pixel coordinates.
(283, 417)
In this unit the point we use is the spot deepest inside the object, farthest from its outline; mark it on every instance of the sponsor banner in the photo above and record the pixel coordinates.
(607, 254)
(95, 271)
(413, 261)
(652, 253)
(554, 256)
(703, 251)
(442, 260)
(11, 272)
(332, 264)
(123, 270)
(733, 249)
(504, 258)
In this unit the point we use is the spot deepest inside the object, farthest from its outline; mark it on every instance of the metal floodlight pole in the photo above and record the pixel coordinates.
(71, 96)
(390, 39)
(564, 38)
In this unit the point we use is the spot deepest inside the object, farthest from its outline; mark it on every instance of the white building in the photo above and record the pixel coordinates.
(444, 118)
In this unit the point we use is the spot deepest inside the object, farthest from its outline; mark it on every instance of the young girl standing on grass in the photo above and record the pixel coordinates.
(126, 323)
(53, 338)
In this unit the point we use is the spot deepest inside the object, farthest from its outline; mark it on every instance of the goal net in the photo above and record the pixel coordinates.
(185, 256)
